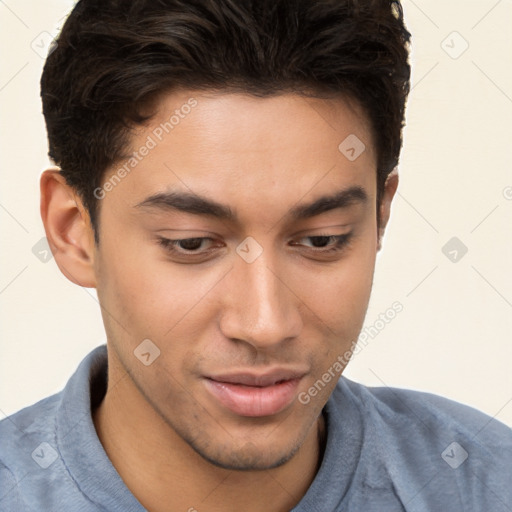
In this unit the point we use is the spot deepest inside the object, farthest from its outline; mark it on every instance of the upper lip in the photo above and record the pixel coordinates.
(268, 378)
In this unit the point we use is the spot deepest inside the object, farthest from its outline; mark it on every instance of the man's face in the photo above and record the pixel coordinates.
(259, 295)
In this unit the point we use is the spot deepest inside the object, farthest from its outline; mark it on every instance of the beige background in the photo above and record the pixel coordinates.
(453, 336)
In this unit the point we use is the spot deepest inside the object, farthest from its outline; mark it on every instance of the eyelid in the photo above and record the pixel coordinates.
(321, 231)
(171, 245)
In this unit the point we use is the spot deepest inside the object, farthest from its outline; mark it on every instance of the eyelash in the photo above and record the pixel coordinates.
(171, 245)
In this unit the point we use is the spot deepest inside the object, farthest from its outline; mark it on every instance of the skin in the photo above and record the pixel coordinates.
(175, 446)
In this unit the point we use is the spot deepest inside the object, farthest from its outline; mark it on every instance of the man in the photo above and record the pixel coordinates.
(226, 173)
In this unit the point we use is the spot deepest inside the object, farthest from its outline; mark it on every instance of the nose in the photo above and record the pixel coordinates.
(260, 305)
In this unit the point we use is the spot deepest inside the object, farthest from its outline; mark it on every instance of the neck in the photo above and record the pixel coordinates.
(165, 474)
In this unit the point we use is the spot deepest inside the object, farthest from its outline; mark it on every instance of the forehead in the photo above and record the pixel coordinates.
(242, 148)
(224, 120)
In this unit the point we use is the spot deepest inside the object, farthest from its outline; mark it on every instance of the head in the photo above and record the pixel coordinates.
(263, 135)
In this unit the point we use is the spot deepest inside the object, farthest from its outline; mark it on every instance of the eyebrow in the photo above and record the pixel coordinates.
(198, 205)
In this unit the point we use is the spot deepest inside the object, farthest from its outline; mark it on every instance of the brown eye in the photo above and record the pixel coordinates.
(327, 243)
(190, 244)
(183, 245)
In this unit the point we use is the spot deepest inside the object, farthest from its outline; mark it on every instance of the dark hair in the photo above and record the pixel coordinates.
(112, 57)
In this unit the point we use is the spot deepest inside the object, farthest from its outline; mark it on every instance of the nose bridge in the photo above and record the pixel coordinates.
(262, 311)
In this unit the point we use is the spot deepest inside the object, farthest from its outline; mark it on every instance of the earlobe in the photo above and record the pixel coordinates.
(385, 206)
(68, 229)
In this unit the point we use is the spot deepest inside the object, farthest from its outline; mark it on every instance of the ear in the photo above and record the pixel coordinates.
(68, 229)
(385, 205)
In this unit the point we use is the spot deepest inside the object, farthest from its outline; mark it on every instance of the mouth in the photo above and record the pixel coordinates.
(255, 395)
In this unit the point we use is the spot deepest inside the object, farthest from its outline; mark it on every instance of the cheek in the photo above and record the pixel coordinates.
(344, 290)
(339, 302)
(340, 298)
(151, 296)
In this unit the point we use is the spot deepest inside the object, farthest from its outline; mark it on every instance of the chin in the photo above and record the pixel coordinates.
(245, 456)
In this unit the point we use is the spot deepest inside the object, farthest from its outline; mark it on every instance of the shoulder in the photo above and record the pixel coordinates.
(27, 440)
(38, 418)
(407, 408)
(35, 438)
(34, 416)
(436, 449)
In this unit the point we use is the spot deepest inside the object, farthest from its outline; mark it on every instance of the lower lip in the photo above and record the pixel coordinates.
(251, 400)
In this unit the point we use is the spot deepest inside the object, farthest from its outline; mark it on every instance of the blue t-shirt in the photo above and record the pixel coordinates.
(387, 450)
